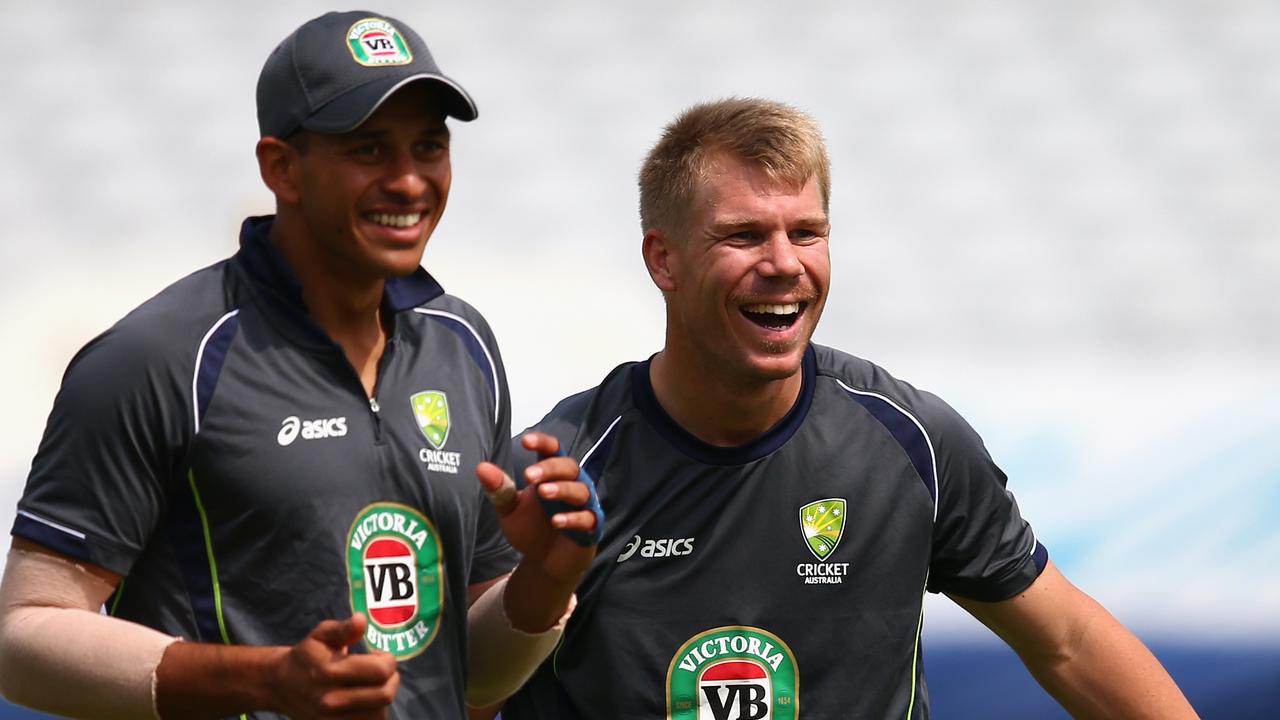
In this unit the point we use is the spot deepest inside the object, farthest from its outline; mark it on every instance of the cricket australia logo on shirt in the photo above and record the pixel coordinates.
(733, 673)
(374, 41)
(397, 577)
(822, 524)
(431, 410)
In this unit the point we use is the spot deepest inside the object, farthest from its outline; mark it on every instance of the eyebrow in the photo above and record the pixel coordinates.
(734, 224)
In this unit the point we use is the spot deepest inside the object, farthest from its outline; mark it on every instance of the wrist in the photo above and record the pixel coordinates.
(197, 680)
(533, 601)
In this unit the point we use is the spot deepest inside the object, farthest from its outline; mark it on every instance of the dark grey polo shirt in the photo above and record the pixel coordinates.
(218, 450)
(784, 578)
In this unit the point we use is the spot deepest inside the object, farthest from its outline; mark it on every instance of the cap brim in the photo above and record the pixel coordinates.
(349, 110)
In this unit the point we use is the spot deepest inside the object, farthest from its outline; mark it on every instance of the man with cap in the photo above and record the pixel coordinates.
(271, 460)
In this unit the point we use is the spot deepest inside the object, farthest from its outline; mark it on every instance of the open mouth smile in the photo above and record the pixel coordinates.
(395, 220)
(774, 316)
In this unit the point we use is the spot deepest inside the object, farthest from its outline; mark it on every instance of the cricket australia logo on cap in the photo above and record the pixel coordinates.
(733, 673)
(374, 41)
(431, 410)
(822, 524)
(396, 573)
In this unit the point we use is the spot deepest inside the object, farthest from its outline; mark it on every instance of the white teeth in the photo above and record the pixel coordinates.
(396, 220)
(788, 309)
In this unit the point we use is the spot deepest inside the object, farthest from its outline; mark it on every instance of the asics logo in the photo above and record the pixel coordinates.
(317, 429)
(661, 547)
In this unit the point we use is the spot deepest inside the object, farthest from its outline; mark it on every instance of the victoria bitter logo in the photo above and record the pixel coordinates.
(396, 575)
(733, 673)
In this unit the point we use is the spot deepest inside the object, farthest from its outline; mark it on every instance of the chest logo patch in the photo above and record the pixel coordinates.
(431, 409)
(377, 42)
(733, 673)
(396, 573)
(822, 522)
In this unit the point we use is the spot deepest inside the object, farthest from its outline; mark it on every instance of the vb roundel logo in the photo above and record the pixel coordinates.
(395, 568)
(374, 41)
(733, 673)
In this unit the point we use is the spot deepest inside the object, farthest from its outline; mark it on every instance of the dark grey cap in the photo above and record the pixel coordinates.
(332, 73)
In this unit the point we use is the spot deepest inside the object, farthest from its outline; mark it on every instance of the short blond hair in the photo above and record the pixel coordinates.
(777, 138)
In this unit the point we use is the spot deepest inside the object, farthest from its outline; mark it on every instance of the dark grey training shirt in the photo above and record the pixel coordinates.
(218, 450)
(783, 578)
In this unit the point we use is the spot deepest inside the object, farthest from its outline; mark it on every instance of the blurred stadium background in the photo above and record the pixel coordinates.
(1063, 217)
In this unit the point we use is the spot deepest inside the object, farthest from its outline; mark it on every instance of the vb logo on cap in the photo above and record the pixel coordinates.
(374, 42)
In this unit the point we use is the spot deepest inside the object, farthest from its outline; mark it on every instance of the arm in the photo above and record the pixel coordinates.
(59, 654)
(317, 678)
(474, 591)
(511, 634)
(1080, 654)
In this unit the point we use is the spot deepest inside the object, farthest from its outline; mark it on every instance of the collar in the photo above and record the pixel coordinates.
(772, 439)
(274, 281)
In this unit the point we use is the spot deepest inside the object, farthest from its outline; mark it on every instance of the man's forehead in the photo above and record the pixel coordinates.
(722, 170)
(716, 187)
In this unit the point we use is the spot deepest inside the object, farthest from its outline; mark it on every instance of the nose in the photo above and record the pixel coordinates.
(780, 258)
(405, 178)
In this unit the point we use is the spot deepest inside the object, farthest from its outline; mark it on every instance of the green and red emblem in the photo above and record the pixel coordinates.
(396, 571)
(733, 673)
(374, 41)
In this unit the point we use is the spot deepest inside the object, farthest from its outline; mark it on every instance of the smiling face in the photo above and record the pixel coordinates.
(370, 198)
(746, 279)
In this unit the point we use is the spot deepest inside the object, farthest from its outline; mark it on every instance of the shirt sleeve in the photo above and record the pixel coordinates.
(494, 556)
(113, 441)
(982, 547)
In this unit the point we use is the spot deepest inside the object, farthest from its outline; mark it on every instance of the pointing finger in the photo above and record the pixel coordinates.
(572, 493)
(541, 443)
(552, 468)
(582, 520)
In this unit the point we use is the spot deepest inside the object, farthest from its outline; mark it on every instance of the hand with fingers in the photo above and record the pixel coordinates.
(555, 554)
(321, 677)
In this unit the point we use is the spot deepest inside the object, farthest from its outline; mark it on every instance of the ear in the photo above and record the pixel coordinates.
(659, 259)
(277, 163)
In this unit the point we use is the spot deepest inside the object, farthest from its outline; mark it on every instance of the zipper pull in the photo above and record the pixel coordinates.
(377, 419)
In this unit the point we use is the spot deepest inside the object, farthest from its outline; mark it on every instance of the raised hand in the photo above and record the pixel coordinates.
(321, 678)
(553, 563)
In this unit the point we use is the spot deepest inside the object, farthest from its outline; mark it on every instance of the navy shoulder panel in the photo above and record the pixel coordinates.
(184, 332)
(584, 422)
(471, 329)
(902, 409)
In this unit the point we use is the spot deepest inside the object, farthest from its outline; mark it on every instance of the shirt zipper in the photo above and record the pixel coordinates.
(377, 419)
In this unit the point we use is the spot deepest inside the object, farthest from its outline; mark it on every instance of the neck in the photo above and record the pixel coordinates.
(346, 306)
(716, 408)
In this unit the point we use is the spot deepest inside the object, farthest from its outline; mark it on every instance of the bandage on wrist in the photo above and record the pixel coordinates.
(501, 657)
(59, 654)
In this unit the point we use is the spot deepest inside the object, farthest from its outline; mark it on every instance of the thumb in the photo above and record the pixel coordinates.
(339, 634)
(498, 486)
